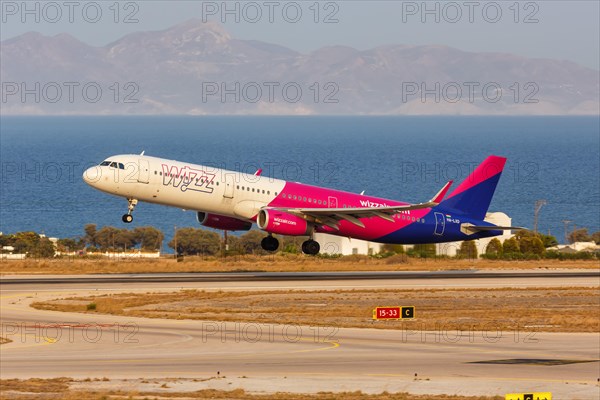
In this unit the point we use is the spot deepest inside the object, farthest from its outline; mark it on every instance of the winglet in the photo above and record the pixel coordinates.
(258, 172)
(440, 195)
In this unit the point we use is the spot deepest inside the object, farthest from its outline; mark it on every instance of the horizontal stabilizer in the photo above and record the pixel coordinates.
(469, 229)
(498, 228)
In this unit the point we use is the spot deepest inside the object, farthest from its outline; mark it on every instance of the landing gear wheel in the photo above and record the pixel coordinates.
(269, 243)
(311, 247)
(127, 218)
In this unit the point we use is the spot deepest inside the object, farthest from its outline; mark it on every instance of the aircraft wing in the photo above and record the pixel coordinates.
(332, 216)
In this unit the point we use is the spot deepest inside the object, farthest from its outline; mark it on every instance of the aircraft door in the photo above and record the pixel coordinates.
(440, 223)
(229, 183)
(144, 171)
(333, 203)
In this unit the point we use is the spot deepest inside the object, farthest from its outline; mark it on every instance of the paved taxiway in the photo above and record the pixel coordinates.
(291, 358)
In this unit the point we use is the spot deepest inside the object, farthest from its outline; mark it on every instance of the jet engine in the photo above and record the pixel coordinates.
(283, 223)
(222, 222)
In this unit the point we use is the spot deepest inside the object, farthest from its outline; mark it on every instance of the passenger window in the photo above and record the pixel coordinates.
(304, 198)
(309, 200)
(283, 195)
(268, 192)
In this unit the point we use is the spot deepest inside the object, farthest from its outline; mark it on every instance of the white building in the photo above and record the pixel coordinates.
(576, 247)
(331, 244)
(7, 253)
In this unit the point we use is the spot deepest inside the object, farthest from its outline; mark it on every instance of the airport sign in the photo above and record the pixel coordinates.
(394, 313)
(529, 396)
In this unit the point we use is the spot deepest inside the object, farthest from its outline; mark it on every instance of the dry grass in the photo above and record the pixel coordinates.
(273, 263)
(58, 388)
(35, 385)
(540, 309)
(242, 395)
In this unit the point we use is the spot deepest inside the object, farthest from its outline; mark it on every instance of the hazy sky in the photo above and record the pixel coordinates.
(548, 29)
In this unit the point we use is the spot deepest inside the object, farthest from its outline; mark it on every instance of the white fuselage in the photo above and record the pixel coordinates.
(184, 185)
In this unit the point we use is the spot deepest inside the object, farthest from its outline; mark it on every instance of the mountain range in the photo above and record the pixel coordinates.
(198, 68)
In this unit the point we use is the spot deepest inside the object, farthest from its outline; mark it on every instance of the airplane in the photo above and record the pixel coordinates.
(234, 201)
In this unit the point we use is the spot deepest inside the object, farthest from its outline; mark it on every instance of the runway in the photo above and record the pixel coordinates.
(295, 276)
(264, 357)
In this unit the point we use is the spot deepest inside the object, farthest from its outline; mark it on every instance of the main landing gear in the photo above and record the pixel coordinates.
(269, 243)
(311, 247)
(127, 218)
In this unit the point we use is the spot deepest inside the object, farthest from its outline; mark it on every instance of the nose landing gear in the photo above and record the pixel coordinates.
(128, 218)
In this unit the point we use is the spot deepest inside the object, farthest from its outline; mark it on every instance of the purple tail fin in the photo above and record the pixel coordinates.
(473, 196)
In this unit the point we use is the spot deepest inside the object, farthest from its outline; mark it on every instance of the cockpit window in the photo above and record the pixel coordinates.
(112, 164)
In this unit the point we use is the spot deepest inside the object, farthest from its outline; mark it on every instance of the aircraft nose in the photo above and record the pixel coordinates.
(92, 175)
